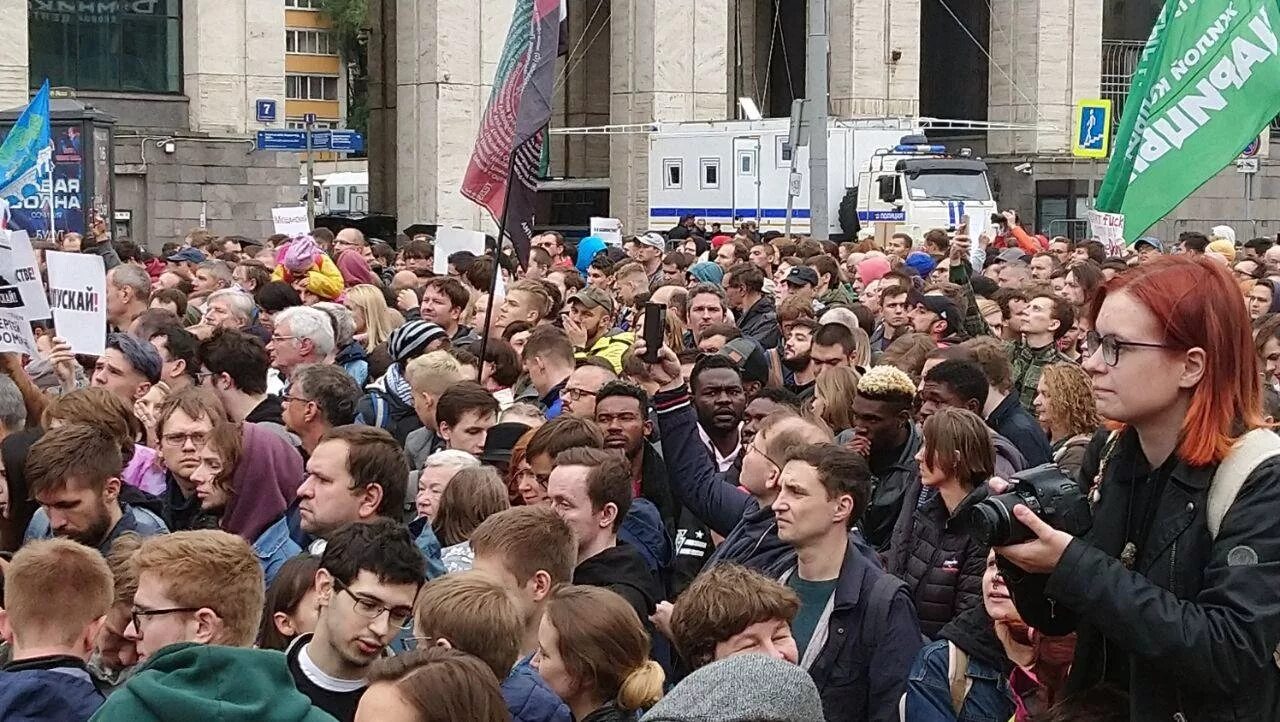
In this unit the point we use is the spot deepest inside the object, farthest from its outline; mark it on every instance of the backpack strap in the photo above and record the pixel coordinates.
(1246, 455)
(958, 676)
(381, 413)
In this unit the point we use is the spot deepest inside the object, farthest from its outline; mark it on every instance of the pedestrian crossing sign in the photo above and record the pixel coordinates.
(1092, 137)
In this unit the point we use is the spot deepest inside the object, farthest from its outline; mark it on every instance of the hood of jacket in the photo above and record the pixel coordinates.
(212, 684)
(974, 632)
(620, 565)
(33, 695)
(644, 529)
(350, 353)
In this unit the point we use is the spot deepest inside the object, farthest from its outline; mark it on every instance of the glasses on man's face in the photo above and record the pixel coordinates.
(137, 615)
(577, 394)
(295, 399)
(175, 440)
(281, 339)
(1110, 346)
(398, 617)
(754, 447)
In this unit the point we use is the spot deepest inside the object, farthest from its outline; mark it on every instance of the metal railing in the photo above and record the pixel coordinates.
(1119, 61)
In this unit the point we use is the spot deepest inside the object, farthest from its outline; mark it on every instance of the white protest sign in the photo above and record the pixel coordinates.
(77, 296)
(607, 229)
(291, 220)
(1109, 229)
(18, 266)
(15, 330)
(453, 240)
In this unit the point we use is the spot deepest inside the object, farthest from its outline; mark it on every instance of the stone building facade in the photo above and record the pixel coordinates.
(638, 61)
(212, 61)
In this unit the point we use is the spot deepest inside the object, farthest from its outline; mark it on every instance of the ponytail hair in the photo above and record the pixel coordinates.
(604, 646)
(643, 687)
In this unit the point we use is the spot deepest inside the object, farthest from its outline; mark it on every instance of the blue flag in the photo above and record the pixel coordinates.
(26, 157)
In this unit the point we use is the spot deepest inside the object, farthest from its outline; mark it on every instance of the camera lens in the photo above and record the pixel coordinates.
(988, 522)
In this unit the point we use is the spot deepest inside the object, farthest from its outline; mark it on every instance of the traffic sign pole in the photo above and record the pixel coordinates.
(311, 177)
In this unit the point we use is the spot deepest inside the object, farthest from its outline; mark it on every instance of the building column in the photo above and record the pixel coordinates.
(875, 57)
(232, 54)
(1047, 54)
(655, 78)
(447, 52)
(15, 88)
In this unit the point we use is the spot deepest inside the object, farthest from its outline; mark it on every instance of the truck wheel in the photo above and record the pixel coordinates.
(848, 215)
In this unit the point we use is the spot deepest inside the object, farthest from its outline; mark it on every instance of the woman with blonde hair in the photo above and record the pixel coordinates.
(594, 654)
(374, 324)
(833, 395)
(1068, 414)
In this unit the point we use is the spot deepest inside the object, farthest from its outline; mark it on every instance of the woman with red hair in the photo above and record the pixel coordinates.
(1175, 600)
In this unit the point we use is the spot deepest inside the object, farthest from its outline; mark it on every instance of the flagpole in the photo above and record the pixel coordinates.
(53, 232)
(497, 267)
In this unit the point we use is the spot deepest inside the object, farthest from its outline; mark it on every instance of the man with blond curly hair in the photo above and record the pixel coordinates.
(884, 434)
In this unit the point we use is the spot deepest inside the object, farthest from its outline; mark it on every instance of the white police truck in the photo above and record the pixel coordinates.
(881, 171)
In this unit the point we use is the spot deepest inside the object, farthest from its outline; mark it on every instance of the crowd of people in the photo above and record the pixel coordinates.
(1002, 477)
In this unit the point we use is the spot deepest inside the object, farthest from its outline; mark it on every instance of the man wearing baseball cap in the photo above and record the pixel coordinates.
(800, 278)
(588, 324)
(936, 316)
(649, 250)
(1148, 247)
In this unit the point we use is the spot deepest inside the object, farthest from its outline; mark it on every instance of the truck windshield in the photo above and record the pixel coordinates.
(948, 186)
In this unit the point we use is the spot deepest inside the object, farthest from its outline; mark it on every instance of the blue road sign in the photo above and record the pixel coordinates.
(282, 140)
(1093, 129)
(345, 141)
(266, 110)
(320, 140)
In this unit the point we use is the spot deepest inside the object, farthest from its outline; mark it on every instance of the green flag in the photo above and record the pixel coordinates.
(1207, 83)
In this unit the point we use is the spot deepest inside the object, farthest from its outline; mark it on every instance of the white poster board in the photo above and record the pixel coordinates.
(1109, 229)
(18, 267)
(77, 297)
(452, 240)
(291, 220)
(15, 329)
(608, 229)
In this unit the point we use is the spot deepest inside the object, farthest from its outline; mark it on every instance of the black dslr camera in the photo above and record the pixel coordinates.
(1044, 490)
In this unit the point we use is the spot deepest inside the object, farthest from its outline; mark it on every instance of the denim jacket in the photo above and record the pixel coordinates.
(427, 542)
(274, 547)
(928, 696)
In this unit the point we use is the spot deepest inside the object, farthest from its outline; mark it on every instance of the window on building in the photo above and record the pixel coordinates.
(673, 173)
(310, 42)
(302, 4)
(710, 172)
(310, 87)
(342, 195)
(300, 124)
(112, 46)
(784, 152)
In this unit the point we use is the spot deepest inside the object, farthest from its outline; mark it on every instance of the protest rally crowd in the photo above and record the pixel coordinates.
(704, 475)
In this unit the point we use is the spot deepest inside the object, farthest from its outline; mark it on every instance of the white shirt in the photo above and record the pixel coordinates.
(725, 462)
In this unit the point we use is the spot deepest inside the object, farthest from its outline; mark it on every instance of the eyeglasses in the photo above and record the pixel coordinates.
(1110, 346)
(753, 447)
(577, 394)
(399, 617)
(295, 399)
(278, 339)
(137, 615)
(202, 375)
(197, 438)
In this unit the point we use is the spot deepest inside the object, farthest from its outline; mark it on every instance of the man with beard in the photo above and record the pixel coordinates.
(622, 412)
(367, 571)
(588, 324)
(74, 472)
(884, 434)
(720, 400)
(798, 372)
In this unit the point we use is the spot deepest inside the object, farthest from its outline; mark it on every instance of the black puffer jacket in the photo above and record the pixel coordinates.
(942, 566)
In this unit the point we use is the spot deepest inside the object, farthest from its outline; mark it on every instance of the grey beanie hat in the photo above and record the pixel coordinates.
(739, 688)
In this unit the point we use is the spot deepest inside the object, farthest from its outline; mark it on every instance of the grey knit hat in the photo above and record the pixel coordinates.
(742, 688)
